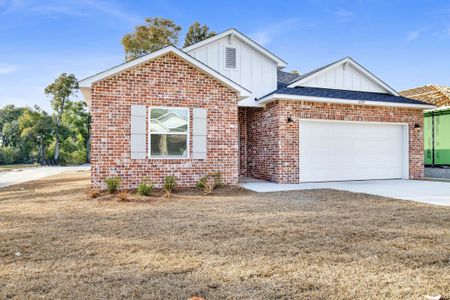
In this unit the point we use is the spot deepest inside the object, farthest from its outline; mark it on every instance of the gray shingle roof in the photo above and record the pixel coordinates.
(284, 78)
(344, 94)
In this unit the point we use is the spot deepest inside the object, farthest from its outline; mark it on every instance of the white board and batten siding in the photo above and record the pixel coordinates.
(344, 77)
(138, 139)
(253, 71)
(339, 150)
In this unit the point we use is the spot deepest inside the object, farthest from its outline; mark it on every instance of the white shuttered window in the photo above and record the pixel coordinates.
(169, 132)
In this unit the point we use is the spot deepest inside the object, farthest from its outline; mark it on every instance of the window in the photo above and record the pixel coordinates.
(230, 57)
(169, 132)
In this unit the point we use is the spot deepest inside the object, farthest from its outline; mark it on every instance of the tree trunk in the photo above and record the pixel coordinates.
(56, 156)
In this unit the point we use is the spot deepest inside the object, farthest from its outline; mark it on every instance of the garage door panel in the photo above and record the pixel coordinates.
(350, 151)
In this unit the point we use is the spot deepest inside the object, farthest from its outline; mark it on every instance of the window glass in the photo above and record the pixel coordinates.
(169, 132)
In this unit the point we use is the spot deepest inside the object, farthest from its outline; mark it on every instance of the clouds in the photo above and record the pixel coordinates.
(7, 69)
(344, 15)
(414, 35)
(76, 8)
(266, 34)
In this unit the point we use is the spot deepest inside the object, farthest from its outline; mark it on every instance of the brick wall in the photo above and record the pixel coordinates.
(242, 141)
(273, 144)
(165, 81)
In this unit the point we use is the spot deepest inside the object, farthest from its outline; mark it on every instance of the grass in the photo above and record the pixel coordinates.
(17, 166)
(317, 244)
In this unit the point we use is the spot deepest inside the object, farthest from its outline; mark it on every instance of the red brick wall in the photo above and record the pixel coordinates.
(165, 81)
(242, 141)
(273, 144)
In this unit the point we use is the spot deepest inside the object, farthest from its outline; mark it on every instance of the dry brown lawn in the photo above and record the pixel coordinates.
(318, 244)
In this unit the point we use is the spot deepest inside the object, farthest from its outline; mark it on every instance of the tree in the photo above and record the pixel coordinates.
(197, 33)
(295, 72)
(36, 128)
(8, 115)
(60, 90)
(156, 34)
(77, 119)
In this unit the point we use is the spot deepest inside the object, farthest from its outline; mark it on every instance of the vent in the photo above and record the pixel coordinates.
(230, 57)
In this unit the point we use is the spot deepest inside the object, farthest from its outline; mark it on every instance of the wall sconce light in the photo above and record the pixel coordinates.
(417, 126)
(290, 120)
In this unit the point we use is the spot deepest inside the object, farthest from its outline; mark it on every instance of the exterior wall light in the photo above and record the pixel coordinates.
(417, 126)
(290, 120)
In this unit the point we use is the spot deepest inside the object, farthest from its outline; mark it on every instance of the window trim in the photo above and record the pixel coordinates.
(225, 57)
(187, 133)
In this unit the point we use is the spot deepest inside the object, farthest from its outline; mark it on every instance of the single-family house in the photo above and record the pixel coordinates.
(225, 104)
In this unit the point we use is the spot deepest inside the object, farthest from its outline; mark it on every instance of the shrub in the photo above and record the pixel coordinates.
(201, 183)
(217, 176)
(145, 188)
(123, 196)
(206, 184)
(169, 185)
(94, 193)
(9, 155)
(112, 184)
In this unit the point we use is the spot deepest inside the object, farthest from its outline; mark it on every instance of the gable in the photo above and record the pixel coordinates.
(235, 34)
(345, 74)
(87, 83)
(253, 70)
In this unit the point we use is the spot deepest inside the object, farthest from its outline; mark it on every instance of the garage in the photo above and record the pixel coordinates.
(339, 150)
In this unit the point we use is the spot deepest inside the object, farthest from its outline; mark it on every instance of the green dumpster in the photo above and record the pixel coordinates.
(437, 137)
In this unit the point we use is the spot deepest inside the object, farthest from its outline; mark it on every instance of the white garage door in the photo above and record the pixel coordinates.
(333, 151)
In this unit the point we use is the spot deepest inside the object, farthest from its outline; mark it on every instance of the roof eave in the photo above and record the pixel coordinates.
(298, 82)
(86, 84)
(275, 96)
(280, 63)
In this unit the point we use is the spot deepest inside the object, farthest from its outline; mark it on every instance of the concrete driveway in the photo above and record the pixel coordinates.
(431, 192)
(8, 178)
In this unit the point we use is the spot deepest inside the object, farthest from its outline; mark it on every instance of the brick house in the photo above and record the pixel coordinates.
(224, 104)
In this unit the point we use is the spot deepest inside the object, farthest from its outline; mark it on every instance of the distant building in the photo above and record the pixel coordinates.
(433, 94)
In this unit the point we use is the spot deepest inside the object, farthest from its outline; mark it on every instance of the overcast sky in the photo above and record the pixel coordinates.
(405, 43)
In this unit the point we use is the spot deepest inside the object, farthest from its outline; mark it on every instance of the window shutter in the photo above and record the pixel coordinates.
(138, 132)
(199, 133)
(230, 54)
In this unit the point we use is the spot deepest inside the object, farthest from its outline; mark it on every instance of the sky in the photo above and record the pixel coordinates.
(405, 43)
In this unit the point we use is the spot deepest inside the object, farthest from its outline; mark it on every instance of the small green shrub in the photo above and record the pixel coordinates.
(112, 184)
(169, 185)
(145, 188)
(217, 176)
(201, 183)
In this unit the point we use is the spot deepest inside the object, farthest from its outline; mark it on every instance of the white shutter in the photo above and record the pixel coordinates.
(199, 133)
(138, 132)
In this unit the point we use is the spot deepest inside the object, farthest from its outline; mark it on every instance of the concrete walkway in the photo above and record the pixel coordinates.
(431, 192)
(8, 178)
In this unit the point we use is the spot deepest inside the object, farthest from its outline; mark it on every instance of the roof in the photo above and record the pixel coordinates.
(284, 78)
(356, 97)
(432, 93)
(281, 63)
(85, 84)
(345, 60)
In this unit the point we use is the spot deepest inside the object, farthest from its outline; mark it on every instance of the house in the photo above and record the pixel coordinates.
(436, 127)
(432, 93)
(225, 104)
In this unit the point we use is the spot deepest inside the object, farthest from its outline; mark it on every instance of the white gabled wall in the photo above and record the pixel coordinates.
(254, 71)
(344, 77)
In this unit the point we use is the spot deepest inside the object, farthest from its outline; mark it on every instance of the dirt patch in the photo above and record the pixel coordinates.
(327, 244)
